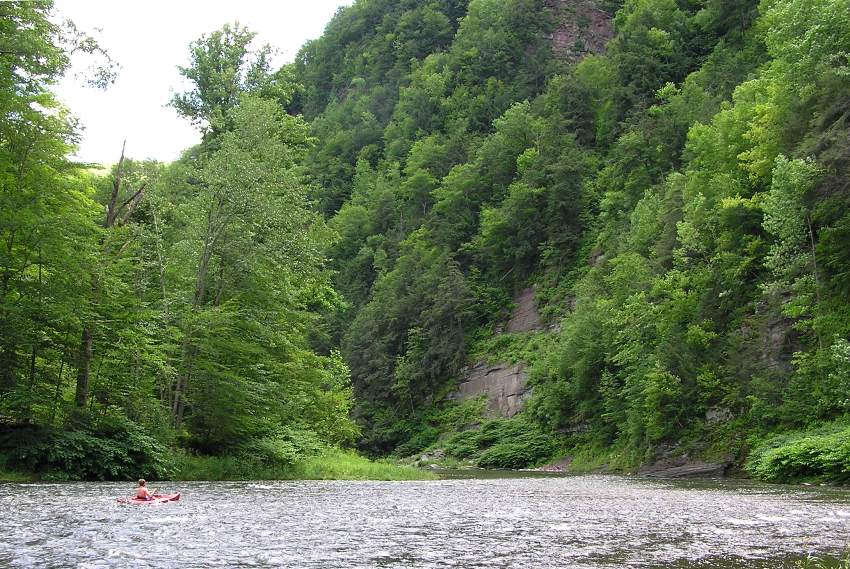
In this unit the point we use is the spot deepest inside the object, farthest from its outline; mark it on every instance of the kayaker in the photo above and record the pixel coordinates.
(142, 492)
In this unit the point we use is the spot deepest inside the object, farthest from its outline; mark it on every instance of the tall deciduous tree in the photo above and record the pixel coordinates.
(43, 200)
(223, 67)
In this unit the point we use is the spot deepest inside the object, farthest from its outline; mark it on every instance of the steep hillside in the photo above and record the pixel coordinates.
(673, 187)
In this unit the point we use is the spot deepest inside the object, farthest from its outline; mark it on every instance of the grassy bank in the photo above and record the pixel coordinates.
(812, 562)
(15, 476)
(12, 475)
(331, 465)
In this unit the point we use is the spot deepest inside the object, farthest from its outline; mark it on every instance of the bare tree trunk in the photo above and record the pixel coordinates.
(58, 386)
(33, 353)
(83, 368)
(35, 342)
(178, 402)
(815, 271)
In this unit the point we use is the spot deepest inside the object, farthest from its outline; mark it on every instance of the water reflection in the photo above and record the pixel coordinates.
(580, 522)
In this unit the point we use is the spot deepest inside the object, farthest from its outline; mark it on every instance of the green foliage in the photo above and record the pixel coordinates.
(329, 465)
(656, 195)
(501, 443)
(182, 316)
(408, 338)
(823, 453)
(341, 465)
(222, 68)
(283, 448)
(678, 201)
(593, 457)
(425, 428)
(526, 347)
(792, 256)
(108, 447)
(823, 562)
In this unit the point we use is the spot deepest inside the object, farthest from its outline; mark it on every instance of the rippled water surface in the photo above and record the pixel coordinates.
(583, 521)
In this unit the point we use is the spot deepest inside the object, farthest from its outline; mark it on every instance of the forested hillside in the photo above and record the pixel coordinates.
(669, 177)
(677, 195)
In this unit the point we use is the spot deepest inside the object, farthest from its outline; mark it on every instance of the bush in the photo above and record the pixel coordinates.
(502, 443)
(106, 447)
(824, 453)
(513, 455)
(463, 445)
(423, 431)
(284, 447)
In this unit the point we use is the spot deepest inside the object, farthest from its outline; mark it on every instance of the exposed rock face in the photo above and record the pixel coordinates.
(581, 28)
(717, 415)
(687, 470)
(525, 316)
(778, 345)
(504, 385)
(682, 466)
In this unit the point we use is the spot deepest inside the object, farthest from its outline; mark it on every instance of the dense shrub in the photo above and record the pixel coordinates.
(107, 447)
(423, 430)
(813, 454)
(283, 447)
(502, 443)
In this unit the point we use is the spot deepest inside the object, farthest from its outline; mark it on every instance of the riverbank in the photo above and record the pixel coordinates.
(15, 476)
(819, 454)
(330, 465)
(336, 466)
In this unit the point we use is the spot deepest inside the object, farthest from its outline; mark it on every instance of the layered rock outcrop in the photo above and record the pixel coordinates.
(504, 385)
(525, 317)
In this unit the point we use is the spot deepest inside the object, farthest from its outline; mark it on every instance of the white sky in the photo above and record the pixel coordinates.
(149, 39)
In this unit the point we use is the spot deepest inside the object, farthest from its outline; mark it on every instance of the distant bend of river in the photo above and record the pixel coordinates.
(565, 522)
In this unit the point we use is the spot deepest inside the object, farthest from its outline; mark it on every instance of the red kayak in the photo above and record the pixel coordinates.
(157, 499)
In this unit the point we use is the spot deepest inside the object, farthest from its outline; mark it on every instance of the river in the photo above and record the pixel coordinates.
(565, 522)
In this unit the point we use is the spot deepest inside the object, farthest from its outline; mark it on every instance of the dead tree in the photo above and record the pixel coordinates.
(118, 211)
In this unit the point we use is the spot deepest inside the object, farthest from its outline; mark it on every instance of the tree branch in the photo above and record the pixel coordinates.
(111, 212)
(133, 201)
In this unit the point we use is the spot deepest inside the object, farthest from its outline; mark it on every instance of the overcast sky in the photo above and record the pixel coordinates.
(149, 39)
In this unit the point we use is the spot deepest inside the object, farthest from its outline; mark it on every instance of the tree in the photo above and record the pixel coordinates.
(251, 235)
(222, 68)
(120, 205)
(793, 257)
(44, 200)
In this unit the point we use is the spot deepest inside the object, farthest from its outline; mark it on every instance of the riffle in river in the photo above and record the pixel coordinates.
(565, 522)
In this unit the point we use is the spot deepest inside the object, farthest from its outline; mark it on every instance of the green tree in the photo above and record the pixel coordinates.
(222, 68)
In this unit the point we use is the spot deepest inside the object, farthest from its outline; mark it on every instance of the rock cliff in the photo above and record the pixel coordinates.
(504, 385)
(581, 28)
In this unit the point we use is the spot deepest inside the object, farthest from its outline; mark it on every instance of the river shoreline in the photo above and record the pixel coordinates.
(388, 472)
(331, 465)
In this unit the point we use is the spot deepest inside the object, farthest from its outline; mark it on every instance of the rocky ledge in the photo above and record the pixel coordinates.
(685, 469)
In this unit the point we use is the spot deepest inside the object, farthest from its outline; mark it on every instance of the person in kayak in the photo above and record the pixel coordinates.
(142, 492)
